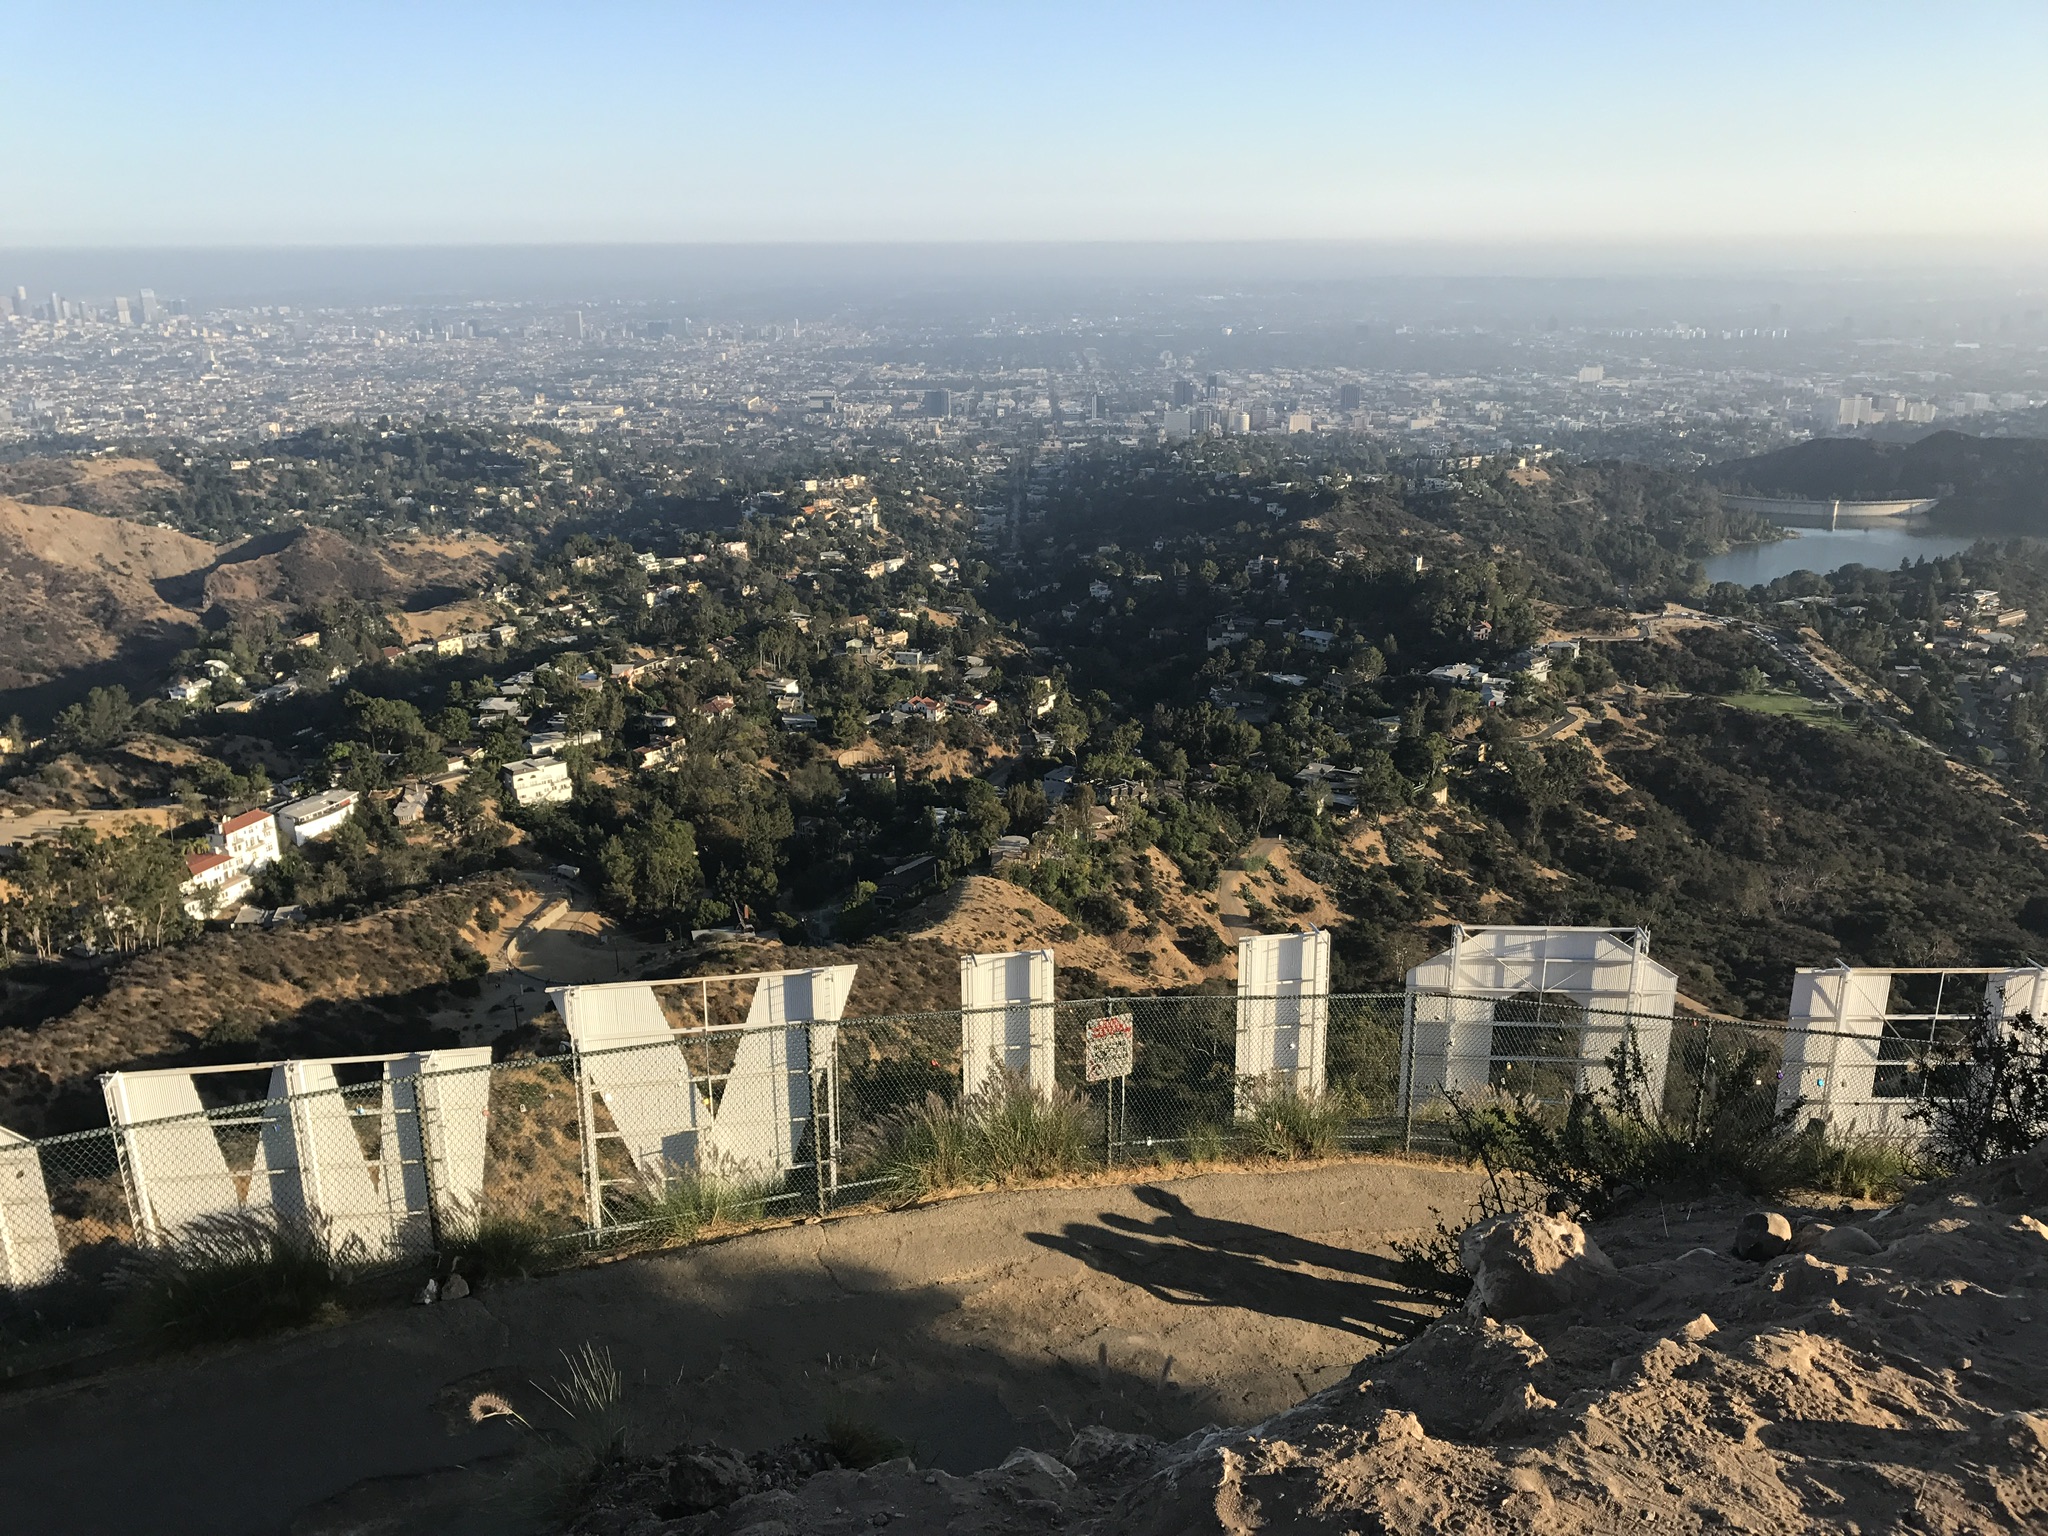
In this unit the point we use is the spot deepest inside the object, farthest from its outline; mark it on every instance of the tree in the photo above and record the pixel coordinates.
(1262, 799)
(102, 718)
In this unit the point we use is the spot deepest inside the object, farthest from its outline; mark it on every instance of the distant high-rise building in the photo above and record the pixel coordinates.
(1592, 375)
(575, 325)
(1350, 397)
(1300, 421)
(1101, 407)
(1215, 386)
(56, 309)
(148, 306)
(938, 402)
(21, 300)
(1183, 393)
(122, 315)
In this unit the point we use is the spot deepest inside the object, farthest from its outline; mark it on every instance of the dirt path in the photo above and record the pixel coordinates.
(968, 1328)
(1230, 902)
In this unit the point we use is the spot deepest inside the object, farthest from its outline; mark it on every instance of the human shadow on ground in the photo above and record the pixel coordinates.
(1188, 1259)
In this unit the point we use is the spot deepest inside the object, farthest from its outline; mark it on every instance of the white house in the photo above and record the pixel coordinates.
(542, 743)
(539, 781)
(249, 840)
(316, 815)
(213, 885)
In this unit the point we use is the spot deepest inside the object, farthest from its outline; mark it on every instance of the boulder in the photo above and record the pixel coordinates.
(1763, 1235)
(1839, 1245)
(1523, 1263)
(707, 1477)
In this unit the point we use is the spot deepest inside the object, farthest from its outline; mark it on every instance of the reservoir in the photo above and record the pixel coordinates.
(1828, 549)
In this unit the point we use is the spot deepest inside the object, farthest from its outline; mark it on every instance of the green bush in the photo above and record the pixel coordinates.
(687, 1203)
(229, 1276)
(1003, 1134)
(1285, 1123)
(491, 1248)
(1600, 1145)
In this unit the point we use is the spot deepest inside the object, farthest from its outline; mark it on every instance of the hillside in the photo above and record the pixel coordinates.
(93, 598)
(113, 487)
(80, 586)
(365, 984)
(312, 567)
(1996, 484)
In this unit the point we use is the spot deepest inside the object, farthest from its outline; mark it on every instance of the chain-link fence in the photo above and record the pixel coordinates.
(386, 1159)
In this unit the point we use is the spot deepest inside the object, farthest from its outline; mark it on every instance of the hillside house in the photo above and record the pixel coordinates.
(316, 815)
(249, 840)
(538, 781)
(213, 885)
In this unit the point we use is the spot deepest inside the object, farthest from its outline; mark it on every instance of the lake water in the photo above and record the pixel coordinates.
(1828, 549)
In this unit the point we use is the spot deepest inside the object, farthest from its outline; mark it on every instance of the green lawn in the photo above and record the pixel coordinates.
(1797, 705)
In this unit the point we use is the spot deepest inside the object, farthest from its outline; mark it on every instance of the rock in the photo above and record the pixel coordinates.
(1699, 1328)
(1842, 1245)
(1107, 1452)
(706, 1477)
(1517, 1411)
(1035, 1475)
(455, 1289)
(429, 1293)
(1763, 1235)
(1523, 1263)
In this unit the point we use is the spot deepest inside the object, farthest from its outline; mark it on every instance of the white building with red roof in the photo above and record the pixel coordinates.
(214, 885)
(249, 839)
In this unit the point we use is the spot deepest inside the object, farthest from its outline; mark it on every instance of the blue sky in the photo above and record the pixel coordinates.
(1848, 126)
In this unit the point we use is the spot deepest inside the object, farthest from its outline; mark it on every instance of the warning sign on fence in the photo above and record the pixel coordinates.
(1108, 1049)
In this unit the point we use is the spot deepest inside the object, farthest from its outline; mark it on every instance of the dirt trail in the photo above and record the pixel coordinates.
(969, 1328)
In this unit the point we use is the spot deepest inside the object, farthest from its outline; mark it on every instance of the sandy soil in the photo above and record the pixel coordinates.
(1881, 1375)
(967, 1327)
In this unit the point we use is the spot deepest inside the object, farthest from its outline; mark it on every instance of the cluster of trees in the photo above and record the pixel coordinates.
(109, 895)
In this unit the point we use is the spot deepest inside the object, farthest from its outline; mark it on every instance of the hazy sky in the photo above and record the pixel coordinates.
(189, 123)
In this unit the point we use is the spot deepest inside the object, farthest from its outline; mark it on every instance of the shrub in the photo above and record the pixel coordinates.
(1995, 1103)
(858, 1444)
(592, 1398)
(229, 1276)
(488, 1248)
(1001, 1134)
(1602, 1144)
(1284, 1123)
(686, 1203)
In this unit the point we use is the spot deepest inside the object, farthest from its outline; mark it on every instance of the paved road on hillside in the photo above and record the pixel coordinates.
(968, 1328)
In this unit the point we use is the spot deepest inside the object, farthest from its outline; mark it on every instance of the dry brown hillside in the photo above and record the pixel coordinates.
(918, 969)
(79, 585)
(367, 984)
(114, 487)
(309, 566)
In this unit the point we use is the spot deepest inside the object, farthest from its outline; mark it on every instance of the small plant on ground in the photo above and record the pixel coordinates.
(229, 1276)
(1205, 1142)
(488, 1248)
(591, 1397)
(1282, 1122)
(860, 1445)
(687, 1203)
(1001, 1134)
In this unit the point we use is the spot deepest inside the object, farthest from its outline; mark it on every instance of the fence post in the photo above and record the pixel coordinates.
(1408, 1073)
(1699, 1089)
(429, 1128)
(586, 1126)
